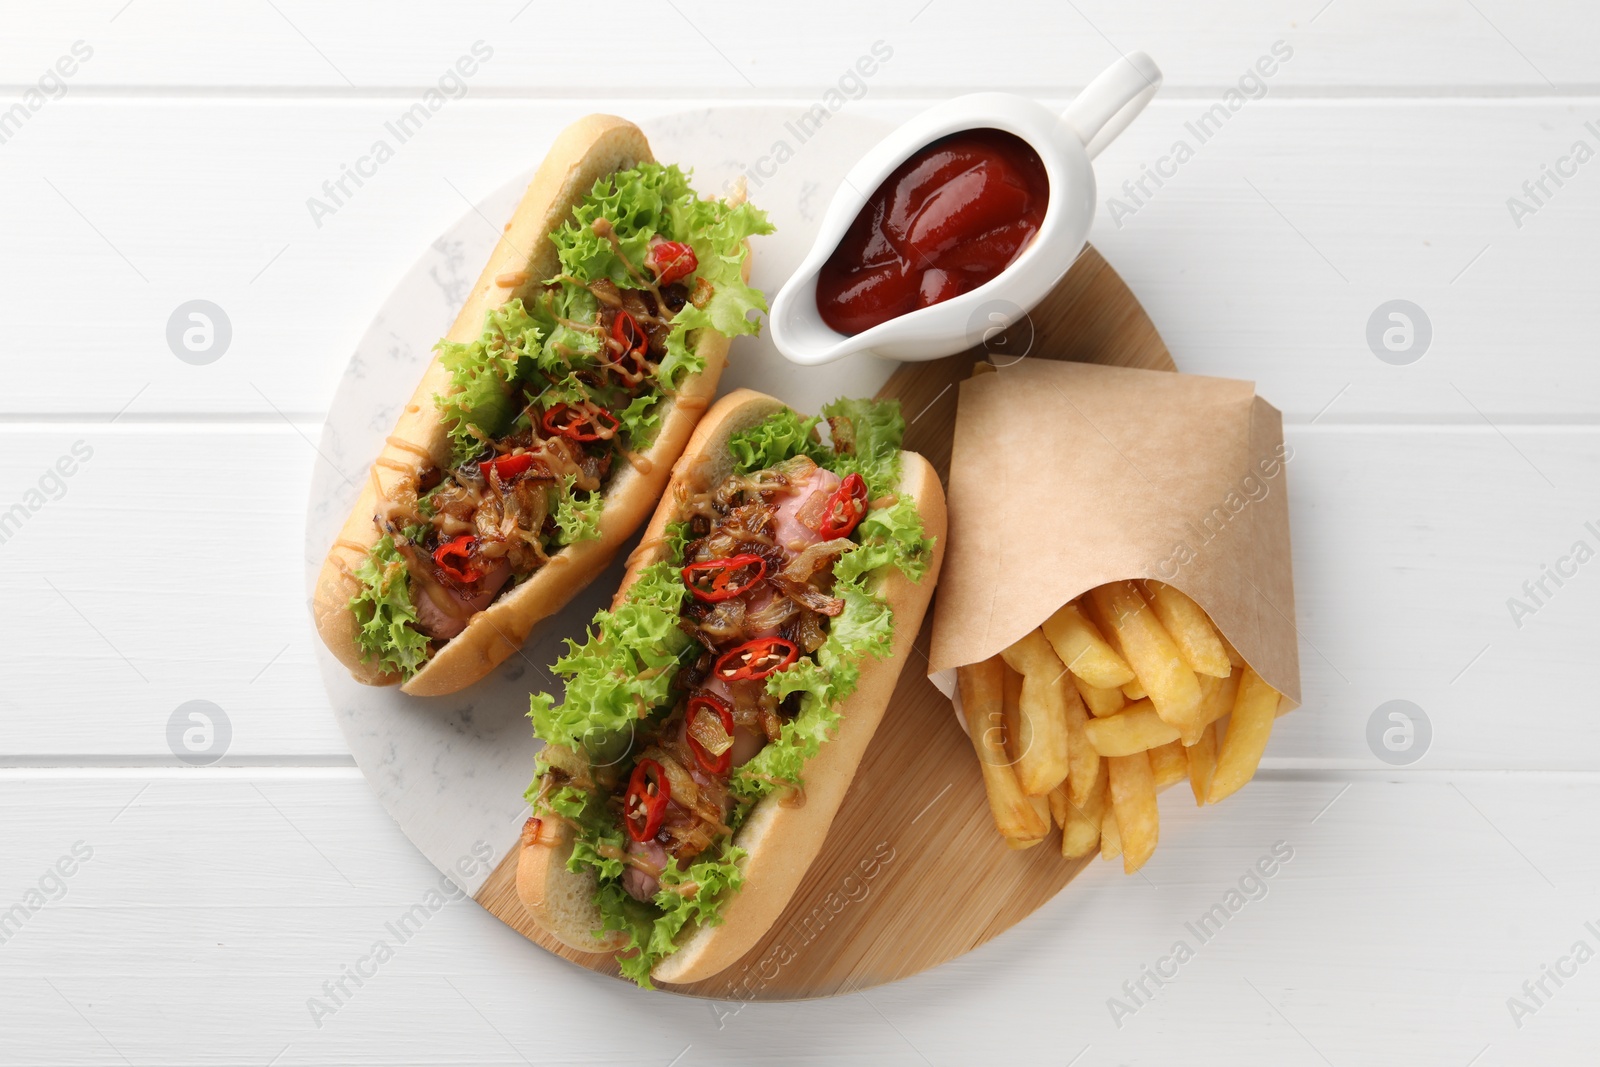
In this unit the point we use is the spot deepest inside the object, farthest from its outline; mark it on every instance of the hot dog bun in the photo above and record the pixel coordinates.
(781, 841)
(522, 260)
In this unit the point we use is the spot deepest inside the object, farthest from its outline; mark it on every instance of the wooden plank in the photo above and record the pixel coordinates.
(722, 47)
(206, 920)
(186, 586)
(1269, 252)
(1234, 289)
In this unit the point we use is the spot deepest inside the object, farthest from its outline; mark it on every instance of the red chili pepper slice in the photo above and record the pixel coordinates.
(507, 467)
(756, 659)
(454, 557)
(724, 586)
(635, 346)
(671, 261)
(626, 332)
(640, 802)
(845, 508)
(718, 707)
(578, 424)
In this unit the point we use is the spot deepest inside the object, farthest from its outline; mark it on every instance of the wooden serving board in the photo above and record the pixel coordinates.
(913, 873)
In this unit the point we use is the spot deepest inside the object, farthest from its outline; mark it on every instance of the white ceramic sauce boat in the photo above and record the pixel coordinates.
(1065, 144)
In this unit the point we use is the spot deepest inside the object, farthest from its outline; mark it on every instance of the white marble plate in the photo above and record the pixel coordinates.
(452, 770)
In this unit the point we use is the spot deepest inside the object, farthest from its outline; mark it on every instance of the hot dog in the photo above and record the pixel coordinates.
(543, 432)
(715, 715)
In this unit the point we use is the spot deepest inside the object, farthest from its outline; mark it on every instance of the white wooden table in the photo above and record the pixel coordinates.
(1426, 905)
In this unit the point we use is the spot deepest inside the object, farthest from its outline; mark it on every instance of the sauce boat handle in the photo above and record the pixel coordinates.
(1112, 100)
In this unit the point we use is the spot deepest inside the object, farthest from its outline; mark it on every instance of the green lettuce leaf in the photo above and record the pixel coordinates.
(889, 535)
(638, 204)
(517, 342)
(563, 345)
(513, 341)
(717, 233)
(619, 911)
(876, 429)
(477, 403)
(641, 418)
(630, 655)
(386, 617)
(695, 895)
(780, 436)
(597, 827)
(653, 931)
(576, 520)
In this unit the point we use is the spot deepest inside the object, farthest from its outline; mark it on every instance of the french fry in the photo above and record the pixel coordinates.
(1169, 763)
(1130, 690)
(1110, 835)
(1083, 762)
(1203, 763)
(1042, 743)
(1011, 715)
(982, 688)
(1191, 630)
(1151, 652)
(1080, 823)
(1059, 804)
(1217, 696)
(1136, 728)
(983, 698)
(1133, 798)
(1100, 702)
(1087, 836)
(1081, 647)
(1249, 727)
(1090, 609)
(1041, 808)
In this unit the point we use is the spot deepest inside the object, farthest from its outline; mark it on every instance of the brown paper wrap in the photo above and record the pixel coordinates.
(1065, 476)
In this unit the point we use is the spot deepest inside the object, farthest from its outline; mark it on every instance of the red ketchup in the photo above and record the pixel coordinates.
(947, 220)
